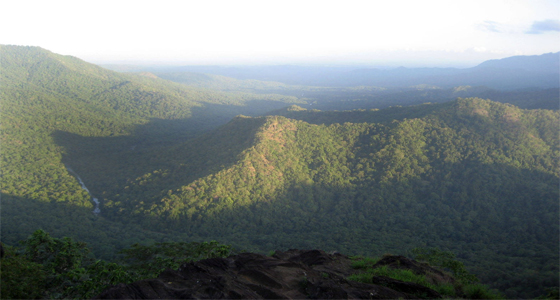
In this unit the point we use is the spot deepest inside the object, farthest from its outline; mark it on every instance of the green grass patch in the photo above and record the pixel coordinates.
(448, 290)
(479, 291)
(360, 262)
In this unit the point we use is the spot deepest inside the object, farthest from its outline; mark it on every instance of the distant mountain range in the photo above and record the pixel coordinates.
(517, 72)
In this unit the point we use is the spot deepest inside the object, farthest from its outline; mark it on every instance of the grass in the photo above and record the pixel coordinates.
(479, 291)
(360, 262)
(402, 275)
(448, 290)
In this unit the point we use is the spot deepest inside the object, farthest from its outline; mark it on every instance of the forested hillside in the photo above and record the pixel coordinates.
(50, 100)
(474, 176)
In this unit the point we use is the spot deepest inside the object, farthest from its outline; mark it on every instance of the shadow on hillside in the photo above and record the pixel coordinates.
(484, 212)
(108, 164)
(22, 216)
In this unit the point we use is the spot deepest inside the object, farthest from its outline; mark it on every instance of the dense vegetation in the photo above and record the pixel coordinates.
(477, 177)
(461, 284)
(61, 268)
(474, 176)
(49, 99)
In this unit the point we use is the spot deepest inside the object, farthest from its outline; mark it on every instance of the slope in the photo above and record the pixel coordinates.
(474, 176)
(52, 104)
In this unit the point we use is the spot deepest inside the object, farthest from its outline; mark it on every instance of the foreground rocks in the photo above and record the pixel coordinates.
(294, 274)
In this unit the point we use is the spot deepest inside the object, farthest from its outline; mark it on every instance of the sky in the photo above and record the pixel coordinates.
(448, 33)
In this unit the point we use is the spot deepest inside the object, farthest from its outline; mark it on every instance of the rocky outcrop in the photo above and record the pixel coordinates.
(293, 274)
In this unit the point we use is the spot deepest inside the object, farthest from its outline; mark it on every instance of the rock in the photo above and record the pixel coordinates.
(407, 287)
(293, 274)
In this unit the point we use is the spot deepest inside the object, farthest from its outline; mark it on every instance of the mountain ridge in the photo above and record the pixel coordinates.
(537, 71)
(546, 62)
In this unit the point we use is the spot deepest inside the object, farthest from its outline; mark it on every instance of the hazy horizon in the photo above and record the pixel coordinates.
(406, 63)
(433, 33)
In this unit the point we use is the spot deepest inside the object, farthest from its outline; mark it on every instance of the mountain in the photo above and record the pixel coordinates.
(49, 100)
(473, 176)
(545, 63)
(218, 82)
(517, 72)
(170, 162)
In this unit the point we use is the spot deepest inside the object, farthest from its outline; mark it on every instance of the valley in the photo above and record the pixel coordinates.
(175, 155)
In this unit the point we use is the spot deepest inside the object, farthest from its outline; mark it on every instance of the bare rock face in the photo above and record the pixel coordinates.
(293, 274)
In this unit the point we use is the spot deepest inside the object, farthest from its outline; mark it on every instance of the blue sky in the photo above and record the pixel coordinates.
(377, 33)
